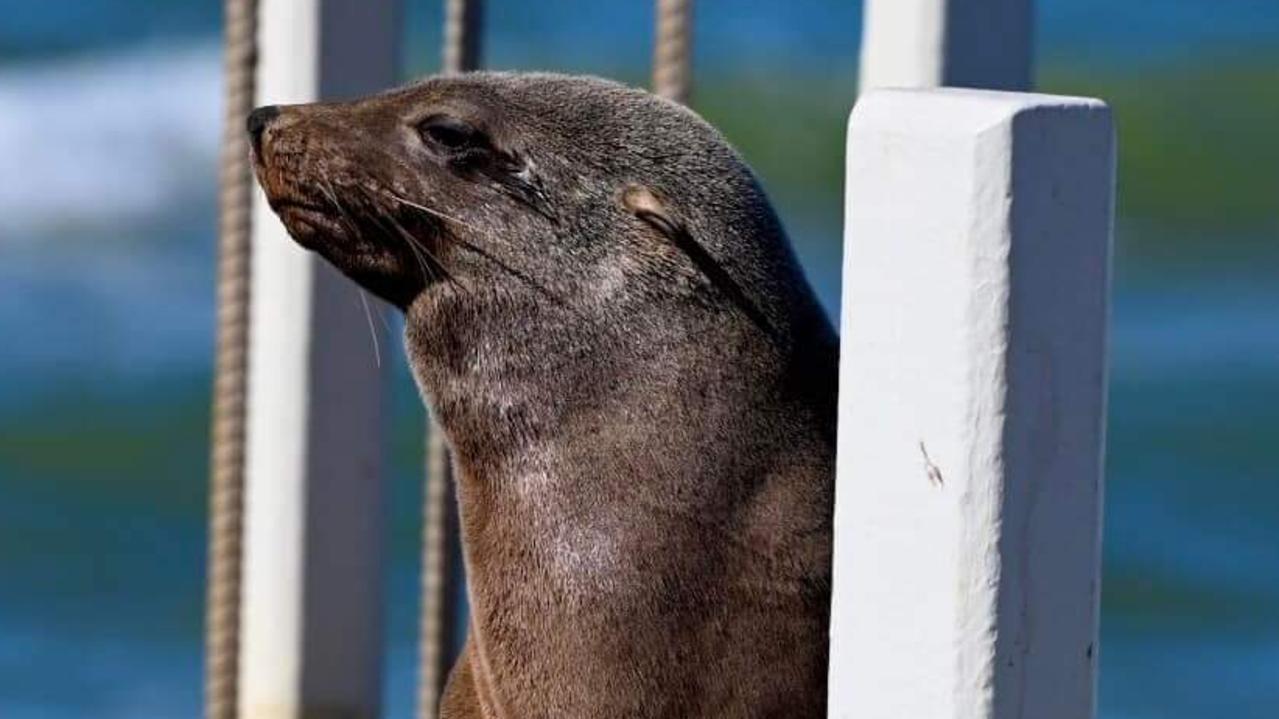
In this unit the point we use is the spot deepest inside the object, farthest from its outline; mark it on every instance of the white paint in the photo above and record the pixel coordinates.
(972, 403)
(312, 596)
(962, 43)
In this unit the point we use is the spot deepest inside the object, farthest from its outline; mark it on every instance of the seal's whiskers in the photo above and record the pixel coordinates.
(327, 188)
(420, 247)
(429, 265)
(429, 211)
(368, 314)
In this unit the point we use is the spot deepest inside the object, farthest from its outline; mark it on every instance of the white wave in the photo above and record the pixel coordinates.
(98, 140)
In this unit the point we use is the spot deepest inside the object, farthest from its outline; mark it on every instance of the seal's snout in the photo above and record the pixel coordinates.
(257, 123)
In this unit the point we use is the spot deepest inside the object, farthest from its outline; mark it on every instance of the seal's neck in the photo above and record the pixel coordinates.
(558, 390)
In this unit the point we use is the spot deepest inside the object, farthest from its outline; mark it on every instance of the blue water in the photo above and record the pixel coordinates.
(106, 334)
(617, 31)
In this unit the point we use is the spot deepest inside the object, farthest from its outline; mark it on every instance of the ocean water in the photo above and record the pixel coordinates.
(106, 317)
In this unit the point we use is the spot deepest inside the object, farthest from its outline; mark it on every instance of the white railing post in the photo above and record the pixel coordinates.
(972, 403)
(312, 597)
(960, 43)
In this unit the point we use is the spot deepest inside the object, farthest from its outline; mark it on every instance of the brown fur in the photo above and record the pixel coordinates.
(604, 314)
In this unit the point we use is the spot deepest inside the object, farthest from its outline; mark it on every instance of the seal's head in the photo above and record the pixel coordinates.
(535, 178)
(518, 217)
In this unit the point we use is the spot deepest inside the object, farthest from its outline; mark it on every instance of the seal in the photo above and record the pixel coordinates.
(606, 317)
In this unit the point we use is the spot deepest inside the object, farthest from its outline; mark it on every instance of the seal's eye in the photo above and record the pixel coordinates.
(450, 134)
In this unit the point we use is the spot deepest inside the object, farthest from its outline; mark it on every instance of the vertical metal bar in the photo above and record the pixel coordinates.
(953, 43)
(315, 516)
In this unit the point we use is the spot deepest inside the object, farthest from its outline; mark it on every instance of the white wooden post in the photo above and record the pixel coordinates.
(962, 43)
(312, 595)
(972, 402)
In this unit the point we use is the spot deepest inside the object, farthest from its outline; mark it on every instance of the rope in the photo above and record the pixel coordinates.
(439, 540)
(672, 51)
(226, 486)
(463, 20)
(462, 48)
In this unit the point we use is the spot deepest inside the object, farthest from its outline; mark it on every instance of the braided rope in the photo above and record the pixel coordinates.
(462, 35)
(672, 50)
(226, 486)
(462, 47)
(439, 538)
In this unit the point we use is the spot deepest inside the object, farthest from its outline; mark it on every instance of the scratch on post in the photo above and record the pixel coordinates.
(934, 474)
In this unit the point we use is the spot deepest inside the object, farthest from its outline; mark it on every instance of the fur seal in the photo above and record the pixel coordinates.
(605, 315)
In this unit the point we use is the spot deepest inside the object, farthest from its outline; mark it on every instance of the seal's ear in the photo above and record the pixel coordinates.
(650, 208)
(647, 206)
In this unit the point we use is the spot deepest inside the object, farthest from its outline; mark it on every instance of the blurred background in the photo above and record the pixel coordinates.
(109, 113)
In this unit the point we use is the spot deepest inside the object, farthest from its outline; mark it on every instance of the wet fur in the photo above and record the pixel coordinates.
(605, 315)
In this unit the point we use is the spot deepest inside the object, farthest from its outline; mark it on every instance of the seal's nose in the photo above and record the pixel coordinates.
(257, 123)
